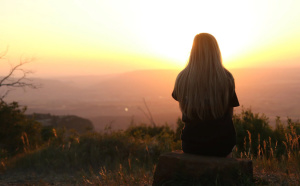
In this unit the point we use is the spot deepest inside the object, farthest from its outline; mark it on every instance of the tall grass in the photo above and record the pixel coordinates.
(111, 157)
(274, 161)
(129, 157)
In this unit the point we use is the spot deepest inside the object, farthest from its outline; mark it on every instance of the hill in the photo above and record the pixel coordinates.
(118, 99)
(80, 125)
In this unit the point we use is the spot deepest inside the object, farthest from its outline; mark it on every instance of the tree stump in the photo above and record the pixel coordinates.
(178, 168)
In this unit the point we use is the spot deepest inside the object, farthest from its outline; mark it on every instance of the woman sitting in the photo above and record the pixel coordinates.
(206, 94)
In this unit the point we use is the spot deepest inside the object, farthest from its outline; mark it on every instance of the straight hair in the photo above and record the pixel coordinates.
(204, 86)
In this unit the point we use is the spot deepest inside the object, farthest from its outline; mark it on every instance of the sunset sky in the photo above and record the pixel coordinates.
(82, 37)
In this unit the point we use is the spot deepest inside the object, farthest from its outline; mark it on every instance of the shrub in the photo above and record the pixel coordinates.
(17, 132)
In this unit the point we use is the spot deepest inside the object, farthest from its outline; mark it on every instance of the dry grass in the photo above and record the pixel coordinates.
(118, 158)
(271, 170)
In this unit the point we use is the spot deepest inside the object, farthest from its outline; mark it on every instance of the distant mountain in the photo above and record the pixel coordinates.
(70, 122)
(118, 98)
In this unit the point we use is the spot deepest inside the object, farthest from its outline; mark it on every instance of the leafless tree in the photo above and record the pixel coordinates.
(17, 77)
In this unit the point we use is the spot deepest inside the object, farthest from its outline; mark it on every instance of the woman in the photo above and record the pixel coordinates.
(206, 94)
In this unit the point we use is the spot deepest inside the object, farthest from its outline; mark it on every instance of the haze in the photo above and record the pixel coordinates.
(99, 59)
(118, 99)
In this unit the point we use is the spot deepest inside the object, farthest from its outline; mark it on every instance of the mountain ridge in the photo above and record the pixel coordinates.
(271, 91)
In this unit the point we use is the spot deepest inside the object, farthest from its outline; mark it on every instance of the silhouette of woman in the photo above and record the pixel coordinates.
(206, 94)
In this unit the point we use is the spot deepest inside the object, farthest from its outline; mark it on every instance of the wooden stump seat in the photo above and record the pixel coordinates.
(178, 168)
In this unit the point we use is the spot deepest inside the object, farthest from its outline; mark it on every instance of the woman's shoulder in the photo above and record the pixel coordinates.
(230, 78)
(228, 74)
(179, 76)
(180, 73)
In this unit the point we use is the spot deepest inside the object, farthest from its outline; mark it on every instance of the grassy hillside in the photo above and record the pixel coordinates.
(129, 157)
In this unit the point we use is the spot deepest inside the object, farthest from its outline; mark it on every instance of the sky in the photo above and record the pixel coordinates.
(89, 37)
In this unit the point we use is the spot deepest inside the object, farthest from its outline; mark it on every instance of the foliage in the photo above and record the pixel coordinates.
(17, 132)
(252, 129)
(144, 131)
(180, 125)
(129, 157)
(256, 138)
(47, 133)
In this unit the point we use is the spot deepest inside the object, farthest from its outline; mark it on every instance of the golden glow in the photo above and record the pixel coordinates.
(115, 35)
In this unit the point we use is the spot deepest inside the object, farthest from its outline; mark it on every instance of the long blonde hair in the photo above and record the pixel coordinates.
(204, 86)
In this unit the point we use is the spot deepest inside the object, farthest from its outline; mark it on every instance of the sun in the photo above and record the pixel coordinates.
(169, 36)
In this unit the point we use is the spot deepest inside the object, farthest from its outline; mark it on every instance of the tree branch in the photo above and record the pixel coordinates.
(2, 54)
(149, 115)
(22, 81)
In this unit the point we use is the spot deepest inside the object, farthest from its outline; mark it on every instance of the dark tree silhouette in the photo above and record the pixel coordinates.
(17, 77)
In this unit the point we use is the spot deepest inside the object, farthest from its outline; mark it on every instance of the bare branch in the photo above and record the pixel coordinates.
(144, 113)
(4, 95)
(149, 115)
(2, 54)
(17, 76)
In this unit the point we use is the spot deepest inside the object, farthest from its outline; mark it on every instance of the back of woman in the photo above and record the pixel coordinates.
(206, 94)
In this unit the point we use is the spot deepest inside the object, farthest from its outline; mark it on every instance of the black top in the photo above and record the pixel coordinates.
(211, 137)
